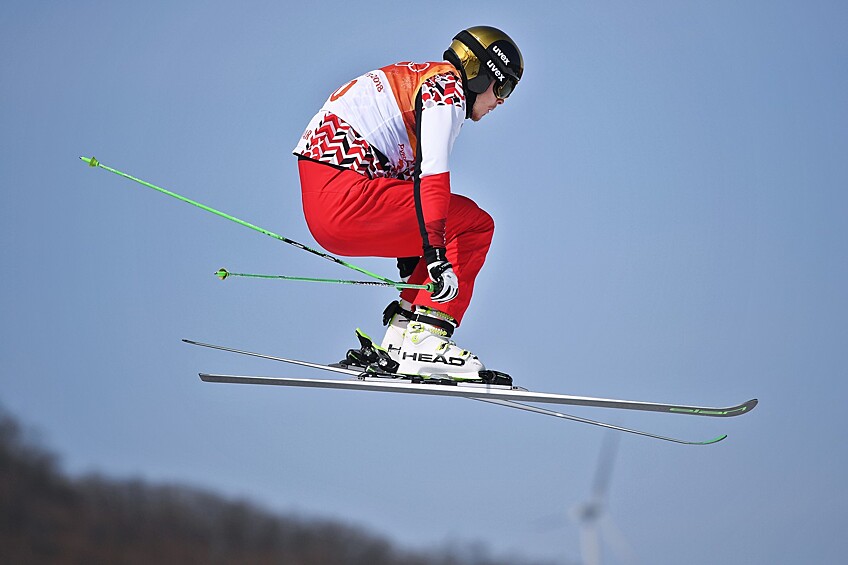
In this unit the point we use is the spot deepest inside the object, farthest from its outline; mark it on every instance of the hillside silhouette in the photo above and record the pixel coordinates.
(49, 517)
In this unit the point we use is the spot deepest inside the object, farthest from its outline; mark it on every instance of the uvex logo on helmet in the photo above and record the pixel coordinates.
(495, 70)
(501, 54)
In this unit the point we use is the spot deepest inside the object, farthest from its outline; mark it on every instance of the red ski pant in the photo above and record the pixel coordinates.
(352, 215)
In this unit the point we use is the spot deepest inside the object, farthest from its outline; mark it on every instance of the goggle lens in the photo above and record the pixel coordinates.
(504, 89)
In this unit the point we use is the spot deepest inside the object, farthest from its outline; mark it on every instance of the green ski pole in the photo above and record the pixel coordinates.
(93, 162)
(223, 274)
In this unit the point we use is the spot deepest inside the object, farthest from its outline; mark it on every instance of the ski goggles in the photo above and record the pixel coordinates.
(503, 89)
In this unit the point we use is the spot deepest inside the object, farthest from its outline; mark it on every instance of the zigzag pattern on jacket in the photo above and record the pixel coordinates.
(337, 143)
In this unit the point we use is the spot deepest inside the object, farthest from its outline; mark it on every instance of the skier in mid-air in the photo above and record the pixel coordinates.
(375, 178)
(374, 172)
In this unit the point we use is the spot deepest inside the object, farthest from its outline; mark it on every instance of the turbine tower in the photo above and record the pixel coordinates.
(591, 515)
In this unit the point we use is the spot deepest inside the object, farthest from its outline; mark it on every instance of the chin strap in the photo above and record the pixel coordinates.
(396, 308)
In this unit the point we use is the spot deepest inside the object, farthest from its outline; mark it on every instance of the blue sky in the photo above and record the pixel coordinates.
(669, 188)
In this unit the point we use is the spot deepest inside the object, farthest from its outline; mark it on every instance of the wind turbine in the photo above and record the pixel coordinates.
(591, 515)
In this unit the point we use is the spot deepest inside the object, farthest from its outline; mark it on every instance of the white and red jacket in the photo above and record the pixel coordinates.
(399, 121)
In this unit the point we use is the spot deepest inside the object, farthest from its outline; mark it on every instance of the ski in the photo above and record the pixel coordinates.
(472, 391)
(537, 410)
(478, 391)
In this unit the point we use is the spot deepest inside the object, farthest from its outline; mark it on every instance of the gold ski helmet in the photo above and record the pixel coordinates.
(484, 54)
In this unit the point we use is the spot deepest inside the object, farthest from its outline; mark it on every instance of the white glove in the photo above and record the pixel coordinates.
(447, 285)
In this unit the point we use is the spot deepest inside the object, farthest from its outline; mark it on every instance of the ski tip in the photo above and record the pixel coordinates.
(744, 408)
(92, 161)
(714, 440)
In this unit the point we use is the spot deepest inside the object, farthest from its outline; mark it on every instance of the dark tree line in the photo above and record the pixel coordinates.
(48, 517)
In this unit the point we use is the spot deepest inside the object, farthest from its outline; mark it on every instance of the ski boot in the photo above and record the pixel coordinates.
(426, 348)
(397, 317)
